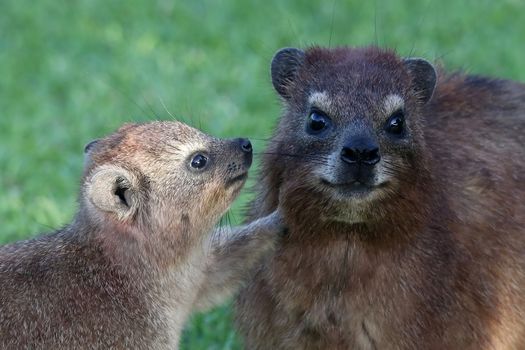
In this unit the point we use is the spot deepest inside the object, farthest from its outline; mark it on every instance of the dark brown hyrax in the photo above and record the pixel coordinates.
(138, 257)
(403, 190)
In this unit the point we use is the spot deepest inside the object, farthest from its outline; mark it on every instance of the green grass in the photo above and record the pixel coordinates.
(71, 71)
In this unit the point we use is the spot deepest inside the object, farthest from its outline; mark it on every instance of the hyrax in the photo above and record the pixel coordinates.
(403, 190)
(137, 257)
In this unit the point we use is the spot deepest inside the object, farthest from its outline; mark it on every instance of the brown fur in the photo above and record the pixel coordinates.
(435, 259)
(126, 274)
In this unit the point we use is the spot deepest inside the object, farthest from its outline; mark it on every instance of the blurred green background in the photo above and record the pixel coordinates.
(72, 71)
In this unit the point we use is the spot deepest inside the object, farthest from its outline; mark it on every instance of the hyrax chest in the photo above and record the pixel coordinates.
(322, 294)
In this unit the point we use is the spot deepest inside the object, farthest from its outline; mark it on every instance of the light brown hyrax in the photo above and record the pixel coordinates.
(138, 256)
(403, 189)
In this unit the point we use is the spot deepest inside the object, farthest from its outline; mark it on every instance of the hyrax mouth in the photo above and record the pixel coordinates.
(237, 179)
(353, 188)
(350, 188)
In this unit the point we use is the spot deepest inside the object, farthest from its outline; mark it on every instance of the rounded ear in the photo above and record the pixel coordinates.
(285, 64)
(424, 77)
(112, 189)
(88, 148)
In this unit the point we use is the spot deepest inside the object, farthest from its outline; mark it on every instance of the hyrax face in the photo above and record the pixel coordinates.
(350, 136)
(162, 177)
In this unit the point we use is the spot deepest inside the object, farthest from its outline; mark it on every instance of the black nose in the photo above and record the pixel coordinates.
(246, 145)
(361, 152)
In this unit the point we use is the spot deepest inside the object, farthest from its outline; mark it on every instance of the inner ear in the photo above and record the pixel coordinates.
(423, 75)
(285, 64)
(122, 191)
(112, 189)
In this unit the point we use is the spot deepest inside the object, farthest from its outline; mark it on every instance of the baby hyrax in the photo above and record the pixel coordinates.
(138, 256)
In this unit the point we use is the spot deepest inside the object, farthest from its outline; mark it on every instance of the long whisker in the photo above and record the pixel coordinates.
(312, 157)
(286, 155)
(294, 154)
(396, 166)
(331, 25)
(150, 107)
(166, 108)
(260, 139)
(398, 176)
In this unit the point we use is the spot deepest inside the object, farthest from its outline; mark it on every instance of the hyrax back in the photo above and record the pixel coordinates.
(404, 193)
(139, 256)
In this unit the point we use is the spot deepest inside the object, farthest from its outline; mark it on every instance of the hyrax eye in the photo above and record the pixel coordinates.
(396, 123)
(199, 161)
(317, 122)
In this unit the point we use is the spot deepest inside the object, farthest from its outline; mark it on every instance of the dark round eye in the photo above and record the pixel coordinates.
(396, 123)
(199, 161)
(317, 122)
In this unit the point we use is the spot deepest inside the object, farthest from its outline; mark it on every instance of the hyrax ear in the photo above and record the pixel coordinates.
(424, 77)
(89, 146)
(285, 64)
(112, 189)
(88, 149)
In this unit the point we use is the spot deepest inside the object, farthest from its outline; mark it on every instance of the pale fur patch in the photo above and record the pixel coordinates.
(179, 152)
(184, 149)
(320, 100)
(177, 291)
(212, 272)
(392, 103)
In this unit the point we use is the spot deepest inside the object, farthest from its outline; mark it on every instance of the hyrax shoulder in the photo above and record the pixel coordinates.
(139, 255)
(402, 187)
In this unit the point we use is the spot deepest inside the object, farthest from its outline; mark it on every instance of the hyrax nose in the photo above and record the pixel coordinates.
(246, 145)
(361, 152)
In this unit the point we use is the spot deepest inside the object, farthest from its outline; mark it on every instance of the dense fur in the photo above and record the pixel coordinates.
(138, 256)
(432, 254)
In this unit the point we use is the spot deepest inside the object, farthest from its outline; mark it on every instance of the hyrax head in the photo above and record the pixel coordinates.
(350, 138)
(163, 177)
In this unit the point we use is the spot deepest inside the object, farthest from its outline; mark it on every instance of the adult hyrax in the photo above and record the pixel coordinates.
(404, 193)
(137, 257)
